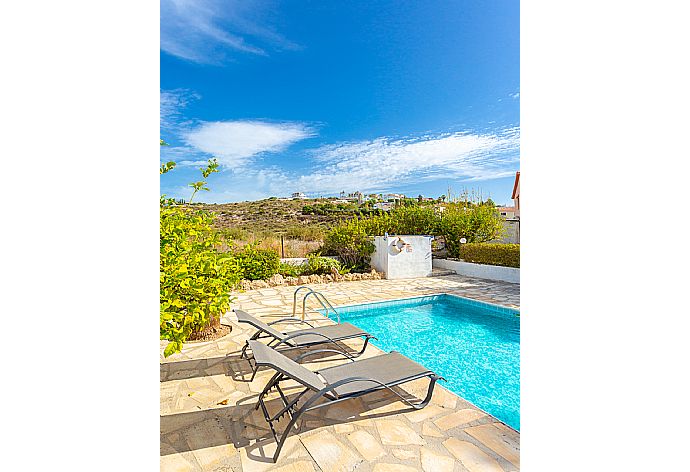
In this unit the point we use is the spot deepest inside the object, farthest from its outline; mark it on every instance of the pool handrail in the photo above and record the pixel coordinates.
(320, 297)
(324, 303)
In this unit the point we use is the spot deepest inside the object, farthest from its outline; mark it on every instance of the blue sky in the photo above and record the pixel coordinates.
(324, 96)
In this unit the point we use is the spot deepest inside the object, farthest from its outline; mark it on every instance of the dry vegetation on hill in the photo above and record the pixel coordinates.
(273, 216)
(265, 221)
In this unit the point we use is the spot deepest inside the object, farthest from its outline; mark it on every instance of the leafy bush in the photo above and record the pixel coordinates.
(507, 255)
(405, 220)
(194, 277)
(322, 265)
(257, 264)
(291, 270)
(476, 224)
(351, 243)
(316, 264)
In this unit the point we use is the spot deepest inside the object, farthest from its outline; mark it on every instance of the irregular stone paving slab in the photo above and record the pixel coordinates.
(471, 457)
(259, 456)
(331, 454)
(444, 398)
(209, 443)
(434, 462)
(212, 457)
(272, 302)
(345, 410)
(463, 416)
(301, 466)
(498, 440)
(343, 428)
(393, 468)
(425, 413)
(430, 430)
(178, 463)
(396, 433)
(366, 445)
(405, 454)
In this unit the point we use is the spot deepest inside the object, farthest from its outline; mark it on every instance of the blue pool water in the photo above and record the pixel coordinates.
(474, 345)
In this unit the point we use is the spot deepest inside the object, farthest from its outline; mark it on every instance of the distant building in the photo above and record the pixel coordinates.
(299, 195)
(507, 212)
(516, 199)
(358, 197)
(516, 194)
(385, 206)
(393, 196)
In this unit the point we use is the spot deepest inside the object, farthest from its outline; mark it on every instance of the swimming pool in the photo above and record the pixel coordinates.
(474, 345)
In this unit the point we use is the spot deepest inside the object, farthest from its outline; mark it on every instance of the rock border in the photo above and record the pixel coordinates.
(279, 280)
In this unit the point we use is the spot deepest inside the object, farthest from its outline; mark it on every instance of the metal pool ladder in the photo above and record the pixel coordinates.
(320, 297)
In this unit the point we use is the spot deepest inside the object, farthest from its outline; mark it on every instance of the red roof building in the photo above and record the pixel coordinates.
(516, 194)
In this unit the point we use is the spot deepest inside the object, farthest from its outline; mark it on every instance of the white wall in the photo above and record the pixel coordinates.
(482, 271)
(415, 262)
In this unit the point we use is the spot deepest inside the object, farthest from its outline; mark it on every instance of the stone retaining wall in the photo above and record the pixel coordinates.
(278, 280)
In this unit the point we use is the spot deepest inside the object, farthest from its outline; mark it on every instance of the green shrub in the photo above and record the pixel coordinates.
(476, 224)
(291, 270)
(351, 243)
(257, 264)
(507, 255)
(194, 277)
(409, 220)
(322, 265)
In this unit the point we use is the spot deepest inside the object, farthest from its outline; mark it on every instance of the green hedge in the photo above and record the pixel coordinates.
(507, 255)
(257, 264)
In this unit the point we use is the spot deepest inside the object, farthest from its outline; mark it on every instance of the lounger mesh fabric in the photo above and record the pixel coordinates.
(264, 355)
(244, 317)
(336, 332)
(389, 369)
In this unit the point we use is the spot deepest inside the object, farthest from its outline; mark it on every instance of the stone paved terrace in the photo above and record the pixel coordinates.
(208, 421)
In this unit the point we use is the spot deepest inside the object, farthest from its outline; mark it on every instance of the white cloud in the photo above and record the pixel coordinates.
(205, 31)
(235, 143)
(384, 162)
(172, 103)
(515, 95)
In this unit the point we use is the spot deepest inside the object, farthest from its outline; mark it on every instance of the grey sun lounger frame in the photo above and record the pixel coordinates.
(334, 384)
(302, 338)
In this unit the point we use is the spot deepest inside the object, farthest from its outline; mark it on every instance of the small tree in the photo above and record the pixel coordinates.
(195, 278)
(351, 243)
(477, 224)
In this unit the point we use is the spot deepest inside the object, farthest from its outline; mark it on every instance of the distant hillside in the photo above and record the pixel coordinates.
(273, 216)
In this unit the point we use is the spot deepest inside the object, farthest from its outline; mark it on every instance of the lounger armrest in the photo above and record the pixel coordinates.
(318, 351)
(290, 320)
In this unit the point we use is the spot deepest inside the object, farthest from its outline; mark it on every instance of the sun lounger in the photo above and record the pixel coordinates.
(334, 384)
(301, 338)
